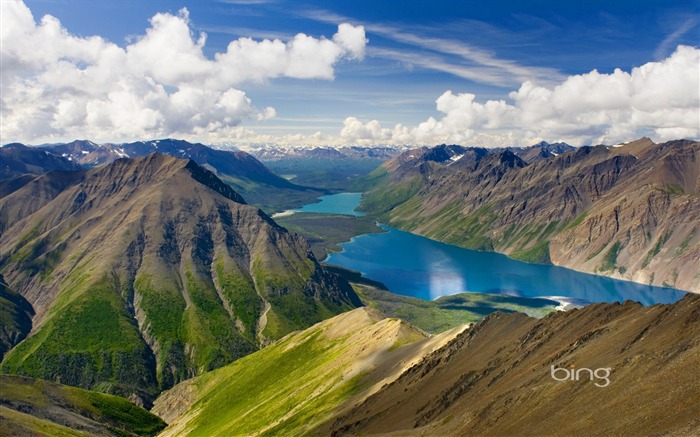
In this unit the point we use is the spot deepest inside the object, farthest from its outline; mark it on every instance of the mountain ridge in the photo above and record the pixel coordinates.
(239, 169)
(185, 276)
(491, 378)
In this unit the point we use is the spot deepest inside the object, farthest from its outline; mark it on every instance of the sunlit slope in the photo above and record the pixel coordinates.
(294, 385)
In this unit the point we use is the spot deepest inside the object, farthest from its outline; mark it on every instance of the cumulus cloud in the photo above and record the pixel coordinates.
(658, 99)
(56, 85)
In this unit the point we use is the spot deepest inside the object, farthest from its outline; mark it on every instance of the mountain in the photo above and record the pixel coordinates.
(242, 171)
(541, 150)
(34, 407)
(87, 153)
(17, 160)
(630, 211)
(362, 374)
(332, 168)
(271, 153)
(636, 374)
(293, 386)
(148, 271)
(15, 317)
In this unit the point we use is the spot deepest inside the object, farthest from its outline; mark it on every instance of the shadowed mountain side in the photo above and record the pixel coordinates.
(17, 160)
(495, 378)
(15, 318)
(149, 271)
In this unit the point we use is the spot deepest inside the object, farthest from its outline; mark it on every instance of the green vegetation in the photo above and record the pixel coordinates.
(577, 221)
(44, 407)
(240, 292)
(87, 341)
(445, 312)
(258, 391)
(208, 330)
(292, 386)
(537, 254)
(610, 258)
(673, 189)
(657, 248)
(329, 174)
(449, 311)
(384, 197)
(450, 225)
(325, 231)
(686, 242)
(378, 176)
(270, 198)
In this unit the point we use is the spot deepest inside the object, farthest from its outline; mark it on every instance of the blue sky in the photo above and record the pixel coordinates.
(415, 52)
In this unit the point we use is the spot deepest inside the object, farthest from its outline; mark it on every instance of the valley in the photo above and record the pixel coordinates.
(269, 218)
(153, 279)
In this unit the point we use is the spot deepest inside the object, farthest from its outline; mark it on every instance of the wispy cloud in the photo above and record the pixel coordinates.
(669, 43)
(247, 2)
(437, 63)
(455, 57)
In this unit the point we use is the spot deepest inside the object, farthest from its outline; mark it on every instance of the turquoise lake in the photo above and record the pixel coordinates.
(343, 203)
(416, 266)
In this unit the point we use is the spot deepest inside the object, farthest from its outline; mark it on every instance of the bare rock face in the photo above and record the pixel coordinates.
(149, 271)
(630, 211)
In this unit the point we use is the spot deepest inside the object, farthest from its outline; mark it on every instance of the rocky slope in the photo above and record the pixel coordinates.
(495, 379)
(149, 271)
(630, 212)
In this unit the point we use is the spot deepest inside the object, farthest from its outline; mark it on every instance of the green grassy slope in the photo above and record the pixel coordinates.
(292, 386)
(36, 407)
(325, 231)
(448, 312)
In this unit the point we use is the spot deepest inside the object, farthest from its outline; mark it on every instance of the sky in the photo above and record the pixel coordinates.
(350, 72)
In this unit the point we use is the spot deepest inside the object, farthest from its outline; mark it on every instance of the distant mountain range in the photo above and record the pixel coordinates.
(148, 271)
(268, 153)
(630, 211)
(242, 171)
(331, 168)
(17, 160)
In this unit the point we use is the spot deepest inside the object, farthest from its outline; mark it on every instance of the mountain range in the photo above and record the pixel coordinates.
(18, 160)
(242, 171)
(331, 168)
(147, 275)
(147, 271)
(629, 211)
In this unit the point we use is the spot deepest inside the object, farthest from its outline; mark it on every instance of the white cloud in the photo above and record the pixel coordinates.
(56, 85)
(660, 99)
